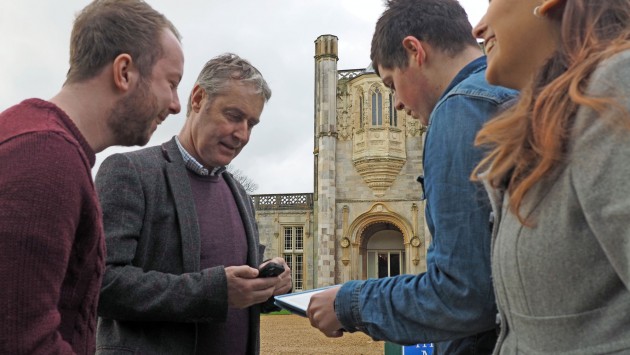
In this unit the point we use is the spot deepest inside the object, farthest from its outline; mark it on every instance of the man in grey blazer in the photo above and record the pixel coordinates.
(182, 244)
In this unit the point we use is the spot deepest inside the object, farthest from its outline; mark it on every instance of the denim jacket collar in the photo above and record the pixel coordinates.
(475, 66)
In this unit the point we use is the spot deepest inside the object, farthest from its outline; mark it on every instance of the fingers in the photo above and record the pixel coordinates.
(321, 313)
(283, 286)
(243, 271)
(284, 281)
(279, 260)
(244, 289)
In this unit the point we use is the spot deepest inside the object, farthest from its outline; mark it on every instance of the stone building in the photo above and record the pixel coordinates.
(365, 218)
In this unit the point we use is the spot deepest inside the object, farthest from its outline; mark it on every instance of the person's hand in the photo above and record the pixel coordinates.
(283, 281)
(321, 313)
(245, 289)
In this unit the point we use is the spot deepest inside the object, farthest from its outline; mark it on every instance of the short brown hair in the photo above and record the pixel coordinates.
(442, 23)
(107, 28)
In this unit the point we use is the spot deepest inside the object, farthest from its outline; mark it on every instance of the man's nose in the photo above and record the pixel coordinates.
(242, 131)
(175, 106)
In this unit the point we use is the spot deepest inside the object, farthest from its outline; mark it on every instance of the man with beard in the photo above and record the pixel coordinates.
(125, 63)
(182, 242)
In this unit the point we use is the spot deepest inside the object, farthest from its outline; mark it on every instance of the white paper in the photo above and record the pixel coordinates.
(297, 302)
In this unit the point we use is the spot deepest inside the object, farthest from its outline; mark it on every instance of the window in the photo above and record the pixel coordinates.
(393, 115)
(385, 263)
(361, 118)
(377, 108)
(294, 254)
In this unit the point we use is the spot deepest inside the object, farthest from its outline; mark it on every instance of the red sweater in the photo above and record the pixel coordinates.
(51, 234)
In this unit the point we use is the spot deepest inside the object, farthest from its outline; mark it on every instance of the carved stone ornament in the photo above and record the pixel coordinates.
(378, 155)
(345, 242)
(415, 241)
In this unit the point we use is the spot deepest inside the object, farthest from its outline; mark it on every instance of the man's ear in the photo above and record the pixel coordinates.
(415, 49)
(124, 72)
(196, 98)
(550, 5)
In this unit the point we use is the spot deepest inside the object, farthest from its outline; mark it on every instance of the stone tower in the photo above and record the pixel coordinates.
(325, 147)
(364, 218)
(367, 206)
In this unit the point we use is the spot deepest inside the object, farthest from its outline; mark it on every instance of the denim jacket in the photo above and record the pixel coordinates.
(454, 298)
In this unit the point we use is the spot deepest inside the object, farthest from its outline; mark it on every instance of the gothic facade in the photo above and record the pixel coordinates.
(365, 218)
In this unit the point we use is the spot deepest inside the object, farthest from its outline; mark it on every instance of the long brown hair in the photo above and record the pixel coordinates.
(527, 141)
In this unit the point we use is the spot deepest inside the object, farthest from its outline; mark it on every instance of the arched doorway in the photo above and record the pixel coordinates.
(378, 240)
(383, 251)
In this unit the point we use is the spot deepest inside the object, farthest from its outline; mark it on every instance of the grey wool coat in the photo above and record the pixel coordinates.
(563, 284)
(154, 292)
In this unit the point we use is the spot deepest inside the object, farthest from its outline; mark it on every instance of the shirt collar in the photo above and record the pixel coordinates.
(470, 68)
(193, 165)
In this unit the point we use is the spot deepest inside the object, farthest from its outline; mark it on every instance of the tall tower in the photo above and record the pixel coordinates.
(325, 147)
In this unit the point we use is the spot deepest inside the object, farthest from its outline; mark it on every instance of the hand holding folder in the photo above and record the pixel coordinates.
(297, 302)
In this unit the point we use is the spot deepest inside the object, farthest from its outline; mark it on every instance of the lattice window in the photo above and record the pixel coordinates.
(299, 238)
(294, 254)
(288, 239)
(298, 280)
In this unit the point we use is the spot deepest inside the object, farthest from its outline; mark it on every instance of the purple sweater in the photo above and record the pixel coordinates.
(223, 242)
(51, 234)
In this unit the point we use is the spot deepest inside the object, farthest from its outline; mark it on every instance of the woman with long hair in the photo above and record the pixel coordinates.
(558, 174)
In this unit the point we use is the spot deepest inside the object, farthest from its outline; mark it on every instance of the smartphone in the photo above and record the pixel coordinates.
(271, 269)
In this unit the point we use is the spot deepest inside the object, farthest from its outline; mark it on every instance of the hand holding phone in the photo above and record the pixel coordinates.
(270, 270)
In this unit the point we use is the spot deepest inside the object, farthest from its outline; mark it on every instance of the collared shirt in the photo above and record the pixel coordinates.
(193, 165)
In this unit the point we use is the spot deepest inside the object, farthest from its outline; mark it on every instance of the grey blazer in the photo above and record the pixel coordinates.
(563, 285)
(154, 293)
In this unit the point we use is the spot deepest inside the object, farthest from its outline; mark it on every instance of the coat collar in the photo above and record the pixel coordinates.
(179, 185)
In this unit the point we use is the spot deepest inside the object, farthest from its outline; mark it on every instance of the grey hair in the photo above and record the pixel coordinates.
(222, 69)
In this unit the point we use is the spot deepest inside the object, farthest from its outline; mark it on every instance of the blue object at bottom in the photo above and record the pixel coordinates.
(418, 349)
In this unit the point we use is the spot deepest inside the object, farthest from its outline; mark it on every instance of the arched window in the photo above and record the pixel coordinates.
(393, 115)
(377, 108)
(361, 118)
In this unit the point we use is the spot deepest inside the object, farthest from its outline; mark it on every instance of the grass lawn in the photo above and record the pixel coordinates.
(280, 312)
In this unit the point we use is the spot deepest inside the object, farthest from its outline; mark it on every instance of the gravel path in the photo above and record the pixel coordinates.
(292, 335)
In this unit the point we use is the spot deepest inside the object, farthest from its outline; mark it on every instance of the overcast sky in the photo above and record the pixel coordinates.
(275, 35)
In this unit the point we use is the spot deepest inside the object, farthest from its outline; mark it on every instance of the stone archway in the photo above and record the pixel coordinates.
(378, 215)
(382, 251)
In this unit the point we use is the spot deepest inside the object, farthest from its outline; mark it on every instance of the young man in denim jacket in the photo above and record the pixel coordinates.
(424, 52)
